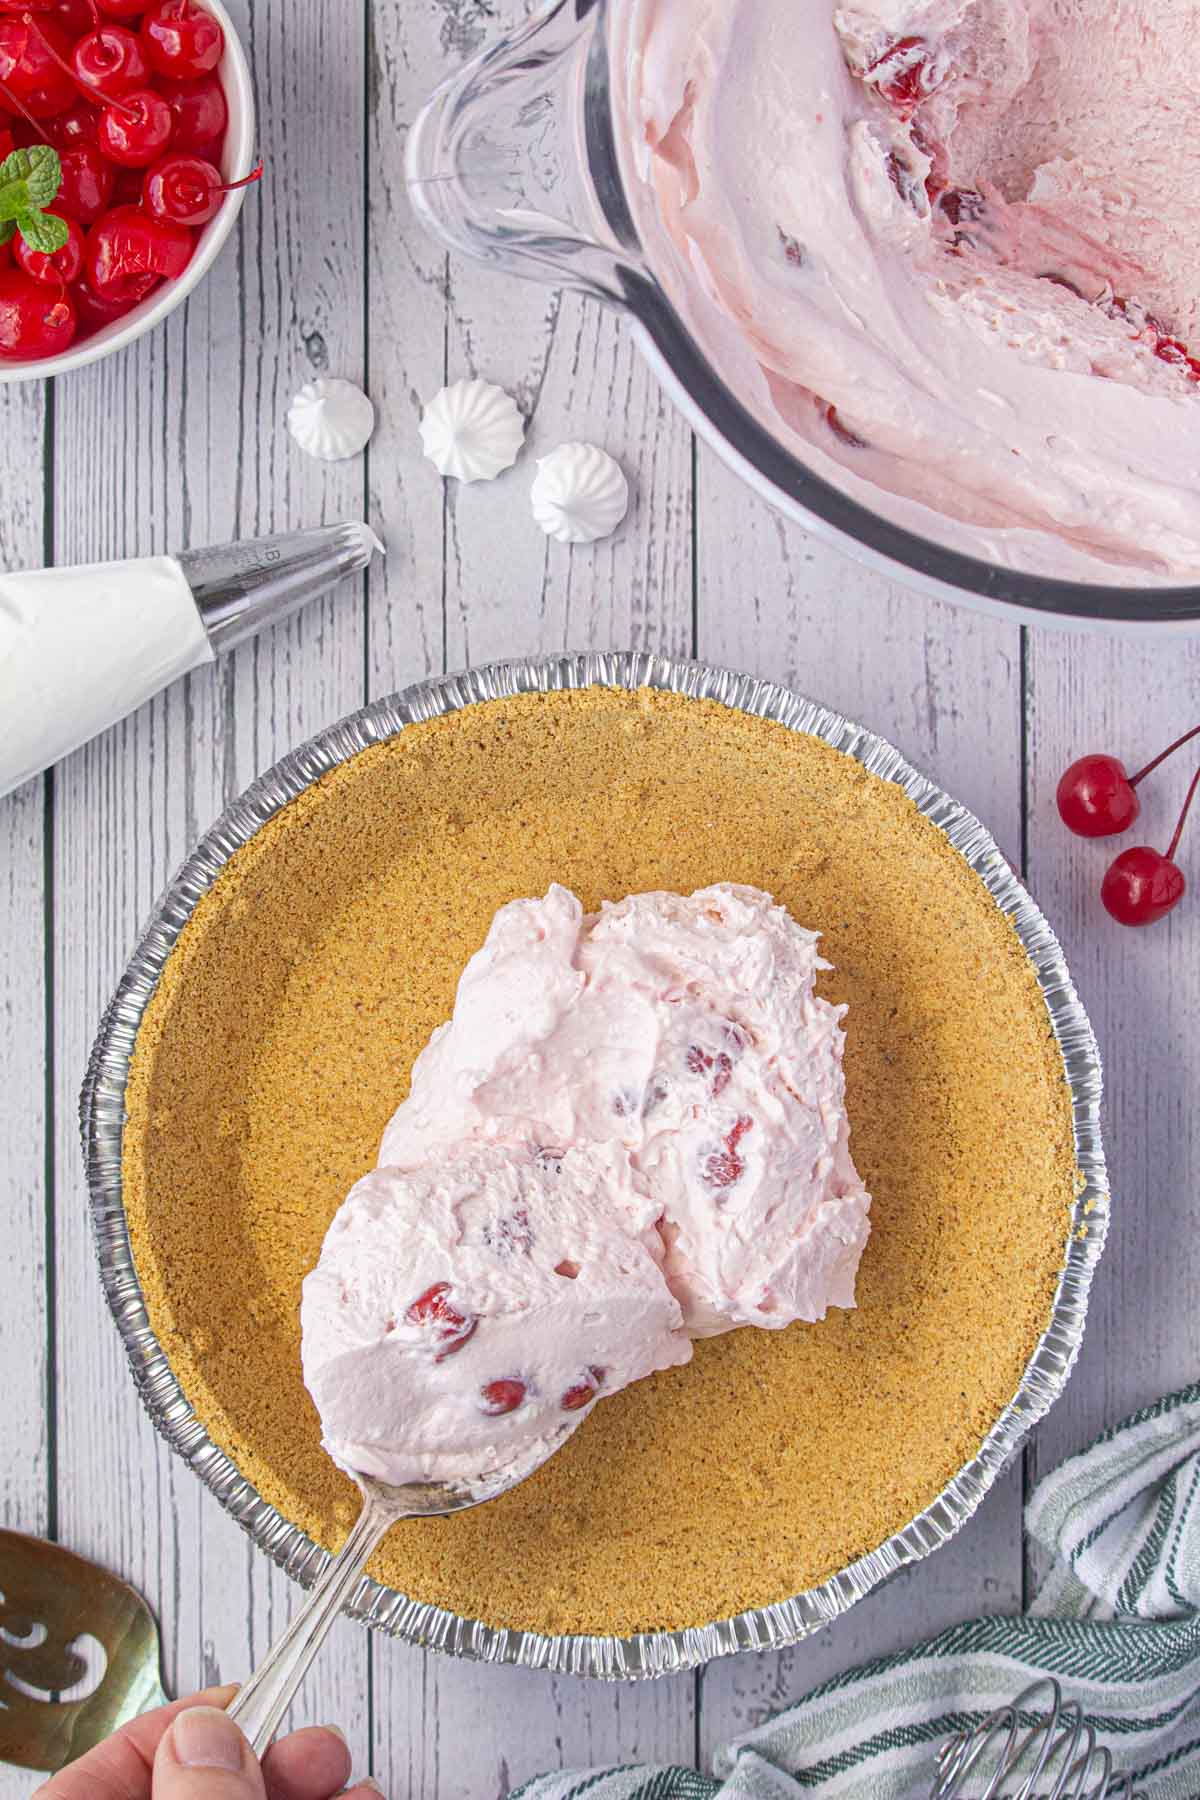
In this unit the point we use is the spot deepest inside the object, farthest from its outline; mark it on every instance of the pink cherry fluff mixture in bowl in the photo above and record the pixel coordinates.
(631, 1133)
(946, 251)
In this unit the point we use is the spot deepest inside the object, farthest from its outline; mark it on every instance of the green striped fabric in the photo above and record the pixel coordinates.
(1116, 1620)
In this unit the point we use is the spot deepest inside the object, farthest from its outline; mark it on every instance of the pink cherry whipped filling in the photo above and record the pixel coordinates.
(631, 1133)
(947, 252)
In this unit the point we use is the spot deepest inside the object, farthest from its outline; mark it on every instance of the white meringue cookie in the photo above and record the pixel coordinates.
(579, 494)
(472, 430)
(331, 419)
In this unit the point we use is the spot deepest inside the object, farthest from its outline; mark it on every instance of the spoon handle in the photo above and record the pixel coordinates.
(262, 1702)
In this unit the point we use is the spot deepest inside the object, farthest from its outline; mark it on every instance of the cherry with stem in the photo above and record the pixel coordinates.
(188, 190)
(1098, 798)
(134, 128)
(1143, 885)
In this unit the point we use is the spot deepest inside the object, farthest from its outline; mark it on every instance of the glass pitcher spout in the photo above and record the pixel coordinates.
(511, 160)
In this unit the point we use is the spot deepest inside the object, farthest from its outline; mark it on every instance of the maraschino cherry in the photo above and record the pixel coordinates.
(34, 321)
(128, 242)
(96, 309)
(110, 60)
(72, 16)
(55, 269)
(33, 65)
(181, 39)
(1143, 885)
(1097, 798)
(86, 188)
(136, 129)
(201, 114)
(76, 124)
(188, 189)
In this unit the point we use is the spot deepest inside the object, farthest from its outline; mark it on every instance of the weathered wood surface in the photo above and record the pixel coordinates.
(180, 442)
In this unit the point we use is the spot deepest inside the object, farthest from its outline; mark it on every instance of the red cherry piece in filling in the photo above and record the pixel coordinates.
(724, 1167)
(1095, 797)
(1171, 350)
(7, 146)
(32, 59)
(450, 1327)
(109, 61)
(201, 114)
(842, 431)
(584, 1391)
(57, 270)
(720, 1067)
(96, 309)
(499, 1397)
(135, 129)
(182, 40)
(121, 9)
(34, 321)
(904, 73)
(86, 190)
(1143, 885)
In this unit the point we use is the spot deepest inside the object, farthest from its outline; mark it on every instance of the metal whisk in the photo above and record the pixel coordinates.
(1040, 1740)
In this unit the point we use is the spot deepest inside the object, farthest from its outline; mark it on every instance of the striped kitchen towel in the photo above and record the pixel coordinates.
(1117, 1621)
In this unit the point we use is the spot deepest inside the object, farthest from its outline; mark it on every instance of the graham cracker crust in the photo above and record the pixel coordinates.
(281, 1036)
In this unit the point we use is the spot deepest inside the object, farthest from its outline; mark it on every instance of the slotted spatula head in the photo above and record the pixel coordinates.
(49, 1598)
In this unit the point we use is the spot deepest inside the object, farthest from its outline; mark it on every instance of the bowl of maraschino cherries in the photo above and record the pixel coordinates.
(126, 149)
(1098, 798)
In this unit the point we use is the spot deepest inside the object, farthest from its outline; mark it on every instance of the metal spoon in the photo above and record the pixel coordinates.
(260, 1706)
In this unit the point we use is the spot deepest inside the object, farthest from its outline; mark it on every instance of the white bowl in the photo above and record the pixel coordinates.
(236, 161)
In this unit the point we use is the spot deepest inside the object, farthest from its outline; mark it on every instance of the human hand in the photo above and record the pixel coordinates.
(192, 1751)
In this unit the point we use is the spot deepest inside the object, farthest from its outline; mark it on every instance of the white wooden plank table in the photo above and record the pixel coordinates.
(180, 442)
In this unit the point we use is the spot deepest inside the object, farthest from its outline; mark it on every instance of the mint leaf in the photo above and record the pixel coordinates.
(29, 180)
(8, 229)
(43, 231)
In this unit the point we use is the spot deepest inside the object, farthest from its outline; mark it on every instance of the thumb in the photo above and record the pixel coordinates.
(205, 1756)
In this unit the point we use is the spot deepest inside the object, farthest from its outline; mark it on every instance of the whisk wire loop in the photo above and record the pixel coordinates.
(1039, 1738)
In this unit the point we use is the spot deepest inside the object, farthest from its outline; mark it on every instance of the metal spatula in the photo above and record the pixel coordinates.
(49, 1598)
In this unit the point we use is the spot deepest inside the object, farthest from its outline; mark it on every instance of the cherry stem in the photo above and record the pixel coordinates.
(1191, 795)
(256, 174)
(1169, 751)
(91, 88)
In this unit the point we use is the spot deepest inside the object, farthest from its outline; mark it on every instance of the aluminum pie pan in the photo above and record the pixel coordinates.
(102, 1119)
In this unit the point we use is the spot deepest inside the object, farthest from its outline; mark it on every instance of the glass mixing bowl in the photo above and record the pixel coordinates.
(517, 160)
